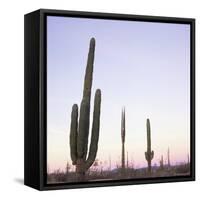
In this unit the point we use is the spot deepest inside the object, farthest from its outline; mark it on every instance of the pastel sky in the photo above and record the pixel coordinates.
(143, 66)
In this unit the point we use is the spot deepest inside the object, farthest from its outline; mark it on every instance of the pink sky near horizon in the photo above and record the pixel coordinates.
(178, 152)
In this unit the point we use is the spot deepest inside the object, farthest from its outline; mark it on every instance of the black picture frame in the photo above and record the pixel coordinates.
(35, 97)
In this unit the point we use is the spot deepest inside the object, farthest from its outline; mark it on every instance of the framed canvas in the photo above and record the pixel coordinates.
(109, 99)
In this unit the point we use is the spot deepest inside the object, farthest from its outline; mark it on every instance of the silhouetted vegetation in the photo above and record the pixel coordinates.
(182, 169)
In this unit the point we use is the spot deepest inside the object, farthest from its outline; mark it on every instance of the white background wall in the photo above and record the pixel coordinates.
(11, 98)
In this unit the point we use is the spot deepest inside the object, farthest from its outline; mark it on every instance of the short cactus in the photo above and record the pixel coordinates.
(161, 163)
(79, 131)
(168, 158)
(149, 154)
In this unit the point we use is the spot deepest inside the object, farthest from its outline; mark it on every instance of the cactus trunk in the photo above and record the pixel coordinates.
(149, 154)
(79, 131)
(123, 130)
(123, 156)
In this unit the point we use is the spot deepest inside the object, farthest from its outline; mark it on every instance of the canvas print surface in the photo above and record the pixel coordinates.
(118, 100)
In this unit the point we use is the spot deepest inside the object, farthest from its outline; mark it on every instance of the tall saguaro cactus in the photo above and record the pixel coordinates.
(123, 130)
(149, 154)
(79, 131)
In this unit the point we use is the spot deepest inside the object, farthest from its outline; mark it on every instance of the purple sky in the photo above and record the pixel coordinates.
(143, 66)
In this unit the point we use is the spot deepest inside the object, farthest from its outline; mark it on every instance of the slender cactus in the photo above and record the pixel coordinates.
(127, 164)
(123, 130)
(149, 154)
(79, 131)
(161, 163)
(168, 158)
(110, 163)
(67, 168)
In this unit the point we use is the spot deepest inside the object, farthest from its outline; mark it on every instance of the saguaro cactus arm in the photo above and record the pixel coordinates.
(74, 133)
(152, 154)
(95, 130)
(149, 155)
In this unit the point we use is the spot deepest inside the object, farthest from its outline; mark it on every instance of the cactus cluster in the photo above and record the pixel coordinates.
(149, 154)
(79, 130)
(80, 125)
